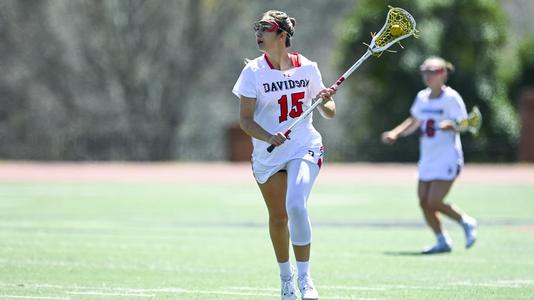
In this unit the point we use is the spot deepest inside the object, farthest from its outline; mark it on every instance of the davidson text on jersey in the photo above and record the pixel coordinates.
(285, 85)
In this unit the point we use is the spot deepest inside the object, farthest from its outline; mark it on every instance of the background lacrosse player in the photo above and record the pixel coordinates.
(274, 89)
(436, 111)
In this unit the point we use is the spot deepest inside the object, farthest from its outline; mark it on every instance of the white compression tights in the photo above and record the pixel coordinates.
(301, 175)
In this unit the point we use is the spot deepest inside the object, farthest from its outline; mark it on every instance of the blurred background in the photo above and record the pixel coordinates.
(151, 80)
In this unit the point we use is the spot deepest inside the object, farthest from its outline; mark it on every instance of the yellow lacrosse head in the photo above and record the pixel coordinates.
(399, 25)
(472, 123)
(474, 120)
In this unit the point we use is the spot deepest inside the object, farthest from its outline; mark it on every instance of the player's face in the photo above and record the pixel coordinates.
(434, 77)
(266, 33)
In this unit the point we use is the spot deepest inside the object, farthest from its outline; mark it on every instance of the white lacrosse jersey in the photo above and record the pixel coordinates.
(440, 151)
(281, 97)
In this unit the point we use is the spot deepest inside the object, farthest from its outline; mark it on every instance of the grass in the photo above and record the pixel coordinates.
(167, 241)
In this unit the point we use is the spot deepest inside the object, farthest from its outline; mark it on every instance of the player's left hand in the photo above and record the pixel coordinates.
(448, 125)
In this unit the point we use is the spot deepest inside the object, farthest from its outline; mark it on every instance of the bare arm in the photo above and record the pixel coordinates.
(328, 107)
(449, 125)
(405, 128)
(250, 127)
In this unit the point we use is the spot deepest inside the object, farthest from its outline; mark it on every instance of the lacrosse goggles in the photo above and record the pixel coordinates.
(267, 26)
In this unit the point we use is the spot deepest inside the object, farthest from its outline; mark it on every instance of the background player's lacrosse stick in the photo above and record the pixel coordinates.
(399, 25)
(472, 123)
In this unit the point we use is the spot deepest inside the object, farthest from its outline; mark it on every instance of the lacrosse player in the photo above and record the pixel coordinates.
(436, 112)
(274, 89)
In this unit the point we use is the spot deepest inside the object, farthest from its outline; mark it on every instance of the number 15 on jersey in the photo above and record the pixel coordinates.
(296, 106)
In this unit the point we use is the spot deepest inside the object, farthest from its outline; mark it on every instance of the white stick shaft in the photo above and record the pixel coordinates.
(305, 113)
(334, 86)
(320, 100)
(352, 69)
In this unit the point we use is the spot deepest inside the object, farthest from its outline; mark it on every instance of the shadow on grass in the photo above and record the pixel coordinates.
(403, 253)
(411, 253)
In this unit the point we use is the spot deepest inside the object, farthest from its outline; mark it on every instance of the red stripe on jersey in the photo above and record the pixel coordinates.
(294, 56)
(295, 59)
(268, 61)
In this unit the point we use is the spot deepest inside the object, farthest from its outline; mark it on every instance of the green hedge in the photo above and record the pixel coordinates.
(470, 34)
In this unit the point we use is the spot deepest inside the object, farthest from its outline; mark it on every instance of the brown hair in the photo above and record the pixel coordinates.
(285, 23)
(436, 62)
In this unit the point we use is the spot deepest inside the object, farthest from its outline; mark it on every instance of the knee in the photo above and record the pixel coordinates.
(296, 210)
(428, 205)
(434, 204)
(279, 219)
(423, 203)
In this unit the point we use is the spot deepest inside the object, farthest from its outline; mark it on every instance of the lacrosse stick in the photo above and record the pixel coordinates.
(472, 123)
(399, 25)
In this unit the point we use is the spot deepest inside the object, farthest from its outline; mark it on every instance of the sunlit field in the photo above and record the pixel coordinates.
(209, 240)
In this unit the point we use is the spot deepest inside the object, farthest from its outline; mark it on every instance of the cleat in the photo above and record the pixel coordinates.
(440, 247)
(470, 229)
(307, 288)
(288, 289)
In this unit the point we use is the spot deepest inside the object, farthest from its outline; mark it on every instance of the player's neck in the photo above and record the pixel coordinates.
(435, 92)
(279, 59)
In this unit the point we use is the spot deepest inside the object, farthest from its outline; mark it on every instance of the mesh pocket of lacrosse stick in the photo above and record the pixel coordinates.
(399, 25)
(473, 122)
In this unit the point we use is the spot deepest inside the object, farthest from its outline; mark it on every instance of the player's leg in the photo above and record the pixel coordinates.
(431, 217)
(301, 175)
(274, 194)
(438, 192)
(300, 178)
(443, 243)
(436, 196)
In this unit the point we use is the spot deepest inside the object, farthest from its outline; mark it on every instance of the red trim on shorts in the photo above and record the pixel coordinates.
(320, 162)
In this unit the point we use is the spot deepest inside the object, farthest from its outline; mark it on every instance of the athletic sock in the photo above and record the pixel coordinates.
(303, 267)
(285, 270)
(443, 237)
(466, 219)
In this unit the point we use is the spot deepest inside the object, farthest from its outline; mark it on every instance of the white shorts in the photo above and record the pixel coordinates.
(262, 172)
(439, 171)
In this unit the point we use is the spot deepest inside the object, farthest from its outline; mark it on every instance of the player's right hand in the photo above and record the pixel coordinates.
(277, 139)
(388, 137)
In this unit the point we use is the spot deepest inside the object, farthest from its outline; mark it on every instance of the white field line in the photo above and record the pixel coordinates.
(519, 283)
(110, 266)
(351, 288)
(249, 291)
(261, 292)
(276, 291)
(246, 288)
(325, 287)
(137, 292)
(95, 293)
(514, 283)
(31, 297)
(175, 268)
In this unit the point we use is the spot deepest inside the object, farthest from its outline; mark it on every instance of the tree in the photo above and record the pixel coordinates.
(523, 77)
(470, 34)
(102, 80)
(32, 99)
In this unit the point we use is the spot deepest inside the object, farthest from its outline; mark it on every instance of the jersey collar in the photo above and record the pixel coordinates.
(294, 56)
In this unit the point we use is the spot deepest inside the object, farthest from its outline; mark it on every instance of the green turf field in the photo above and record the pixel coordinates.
(164, 241)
